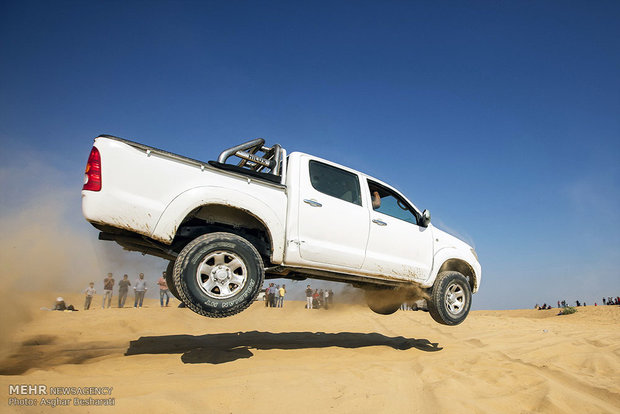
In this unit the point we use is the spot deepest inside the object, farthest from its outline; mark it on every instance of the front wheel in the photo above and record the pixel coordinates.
(383, 301)
(450, 298)
(218, 274)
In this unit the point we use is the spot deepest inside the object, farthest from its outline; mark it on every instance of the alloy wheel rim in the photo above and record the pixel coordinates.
(455, 299)
(221, 274)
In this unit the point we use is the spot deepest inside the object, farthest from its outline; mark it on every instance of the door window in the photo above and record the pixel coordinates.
(335, 182)
(388, 202)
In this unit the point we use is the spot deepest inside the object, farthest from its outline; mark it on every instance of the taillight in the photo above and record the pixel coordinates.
(92, 175)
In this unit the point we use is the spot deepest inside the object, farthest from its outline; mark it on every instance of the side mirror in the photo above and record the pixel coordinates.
(425, 220)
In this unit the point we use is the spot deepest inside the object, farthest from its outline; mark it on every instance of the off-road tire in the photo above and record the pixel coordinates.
(170, 281)
(450, 298)
(193, 256)
(382, 301)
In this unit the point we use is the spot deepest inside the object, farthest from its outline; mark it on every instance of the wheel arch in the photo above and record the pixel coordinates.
(218, 205)
(452, 259)
(463, 267)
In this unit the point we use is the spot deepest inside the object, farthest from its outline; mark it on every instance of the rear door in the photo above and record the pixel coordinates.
(333, 222)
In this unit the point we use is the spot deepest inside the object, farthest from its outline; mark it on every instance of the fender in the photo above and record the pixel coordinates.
(196, 197)
(443, 255)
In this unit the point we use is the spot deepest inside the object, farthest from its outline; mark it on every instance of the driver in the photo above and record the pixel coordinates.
(376, 200)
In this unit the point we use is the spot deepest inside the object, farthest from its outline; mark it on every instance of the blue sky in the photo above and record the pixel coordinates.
(501, 118)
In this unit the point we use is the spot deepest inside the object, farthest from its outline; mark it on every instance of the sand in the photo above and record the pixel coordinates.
(291, 360)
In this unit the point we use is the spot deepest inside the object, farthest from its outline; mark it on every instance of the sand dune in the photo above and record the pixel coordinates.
(347, 360)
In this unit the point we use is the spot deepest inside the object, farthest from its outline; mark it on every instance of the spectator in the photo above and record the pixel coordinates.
(282, 293)
(108, 284)
(163, 290)
(61, 306)
(123, 288)
(276, 296)
(271, 295)
(308, 297)
(90, 292)
(139, 289)
(326, 299)
(315, 299)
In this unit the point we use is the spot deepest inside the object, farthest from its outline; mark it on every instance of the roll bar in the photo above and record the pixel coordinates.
(270, 159)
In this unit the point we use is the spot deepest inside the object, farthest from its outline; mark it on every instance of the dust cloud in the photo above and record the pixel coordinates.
(47, 246)
(349, 295)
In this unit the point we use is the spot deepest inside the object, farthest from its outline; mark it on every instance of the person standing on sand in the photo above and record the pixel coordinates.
(276, 296)
(108, 284)
(139, 289)
(326, 299)
(163, 290)
(90, 292)
(308, 297)
(272, 293)
(282, 293)
(123, 288)
(315, 299)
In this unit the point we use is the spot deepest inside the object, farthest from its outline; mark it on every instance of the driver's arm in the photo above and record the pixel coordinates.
(376, 200)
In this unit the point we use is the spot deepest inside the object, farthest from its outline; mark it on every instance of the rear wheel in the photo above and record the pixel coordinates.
(170, 281)
(383, 301)
(450, 298)
(218, 274)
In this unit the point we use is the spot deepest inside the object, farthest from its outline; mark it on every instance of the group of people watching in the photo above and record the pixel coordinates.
(564, 304)
(274, 296)
(315, 299)
(139, 287)
(319, 299)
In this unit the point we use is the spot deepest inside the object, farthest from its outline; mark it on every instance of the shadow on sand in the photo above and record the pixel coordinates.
(48, 351)
(228, 347)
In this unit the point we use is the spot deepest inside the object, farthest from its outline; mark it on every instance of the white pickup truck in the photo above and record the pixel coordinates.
(225, 227)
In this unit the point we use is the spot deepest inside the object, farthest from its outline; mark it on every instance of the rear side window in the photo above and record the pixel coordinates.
(335, 182)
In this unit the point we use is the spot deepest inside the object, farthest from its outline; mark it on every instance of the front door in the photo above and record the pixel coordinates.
(397, 246)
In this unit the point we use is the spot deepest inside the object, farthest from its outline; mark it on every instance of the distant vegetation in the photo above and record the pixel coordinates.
(567, 310)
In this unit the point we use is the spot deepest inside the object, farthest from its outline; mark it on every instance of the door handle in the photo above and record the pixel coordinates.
(313, 203)
(379, 222)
